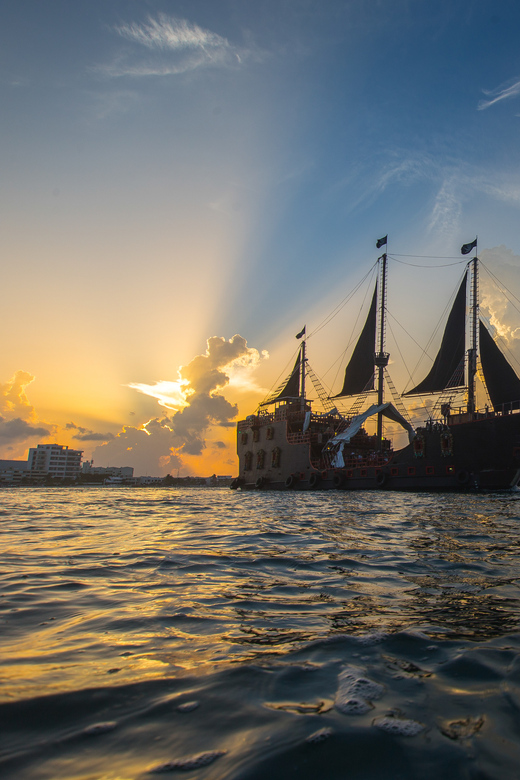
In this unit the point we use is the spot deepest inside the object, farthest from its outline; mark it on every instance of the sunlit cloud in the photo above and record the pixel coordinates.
(242, 378)
(498, 306)
(149, 448)
(18, 419)
(197, 402)
(13, 398)
(171, 395)
(505, 91)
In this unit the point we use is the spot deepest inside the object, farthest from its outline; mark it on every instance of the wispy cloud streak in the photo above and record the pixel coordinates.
(175, 46)
(505, 91)
(170, 33)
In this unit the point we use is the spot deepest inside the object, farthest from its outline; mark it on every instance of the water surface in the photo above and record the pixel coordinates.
(223, 634)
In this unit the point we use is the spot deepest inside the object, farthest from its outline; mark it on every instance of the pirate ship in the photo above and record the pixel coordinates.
(287, 445)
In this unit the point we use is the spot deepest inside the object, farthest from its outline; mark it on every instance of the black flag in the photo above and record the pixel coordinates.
(381, 242)
(466, 248)
(301, 333)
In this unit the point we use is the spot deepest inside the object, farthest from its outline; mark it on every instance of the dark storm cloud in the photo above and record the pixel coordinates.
(18, 430)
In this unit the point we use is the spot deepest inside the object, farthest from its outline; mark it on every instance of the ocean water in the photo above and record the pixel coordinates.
(218, 634)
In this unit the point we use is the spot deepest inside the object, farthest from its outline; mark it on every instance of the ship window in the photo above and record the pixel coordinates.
(269, 434)
(244, 438)
(256, 434)
(394, 471)
(430, 470)
(450, 469)
(363, 472)
(275, 457)
(260, 459)
(248, 460)
(411, 471)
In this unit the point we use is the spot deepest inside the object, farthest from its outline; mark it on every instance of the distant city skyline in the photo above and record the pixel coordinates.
(185, 185)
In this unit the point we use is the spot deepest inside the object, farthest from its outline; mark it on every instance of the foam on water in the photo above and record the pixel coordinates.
(319, 736)
(190, 763)
(188, 706)
(100, 728)
(403, 727)
(356, 692)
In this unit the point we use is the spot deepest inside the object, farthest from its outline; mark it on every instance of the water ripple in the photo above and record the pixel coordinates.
(169, 627)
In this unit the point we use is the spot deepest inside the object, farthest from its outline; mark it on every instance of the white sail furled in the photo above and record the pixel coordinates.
(337, 444)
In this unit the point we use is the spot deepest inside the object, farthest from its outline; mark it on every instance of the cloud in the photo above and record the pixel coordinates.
(150, 448)
(171, 33)
(174, 46)
(19, 430)
(498, 306)
(91, 436)
(72, 426)
(460, 183)
(198, 402)
(18, 420)
(84, 434)
(169, 394)
(508, 90)
(13, 400)
(103, 105)
(447, 208)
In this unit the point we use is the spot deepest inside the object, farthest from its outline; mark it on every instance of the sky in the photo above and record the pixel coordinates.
(186, 183)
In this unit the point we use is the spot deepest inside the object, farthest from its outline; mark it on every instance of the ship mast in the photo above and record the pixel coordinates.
(381, 357)
(472, 351)
(302, 383)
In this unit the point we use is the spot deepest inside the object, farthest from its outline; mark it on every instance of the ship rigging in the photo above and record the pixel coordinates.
(461, 449)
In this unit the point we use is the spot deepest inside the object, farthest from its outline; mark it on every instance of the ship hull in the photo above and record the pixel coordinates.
(466, 455)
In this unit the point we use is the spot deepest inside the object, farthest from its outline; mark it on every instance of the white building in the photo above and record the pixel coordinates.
(54, 460)
(13, 471)
(126, 472)
(149, 480)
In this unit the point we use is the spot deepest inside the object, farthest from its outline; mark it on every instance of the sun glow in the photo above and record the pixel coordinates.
(171, 395)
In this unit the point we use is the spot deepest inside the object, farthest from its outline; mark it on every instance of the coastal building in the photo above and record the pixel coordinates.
(54, 460)
(88, 469)
(13, 471)
(218, 480)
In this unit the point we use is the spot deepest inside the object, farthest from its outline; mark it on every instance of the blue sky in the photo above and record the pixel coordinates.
(176, 170)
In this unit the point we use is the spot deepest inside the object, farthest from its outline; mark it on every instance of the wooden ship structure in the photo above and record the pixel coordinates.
(286, 445)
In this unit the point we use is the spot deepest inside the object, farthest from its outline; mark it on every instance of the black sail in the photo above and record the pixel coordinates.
(359, 374)
(291, 389)
(444, 373)
(502, 383)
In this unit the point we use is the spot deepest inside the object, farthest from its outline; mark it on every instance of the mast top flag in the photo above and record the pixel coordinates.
(466, 248)
(301, 333)
(381, 242)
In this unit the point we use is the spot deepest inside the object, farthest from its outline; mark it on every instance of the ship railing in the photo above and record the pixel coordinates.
(461, 415)
(309, 437)
(370, 460)
(299, 438)
(257, 419)
(297, 416)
